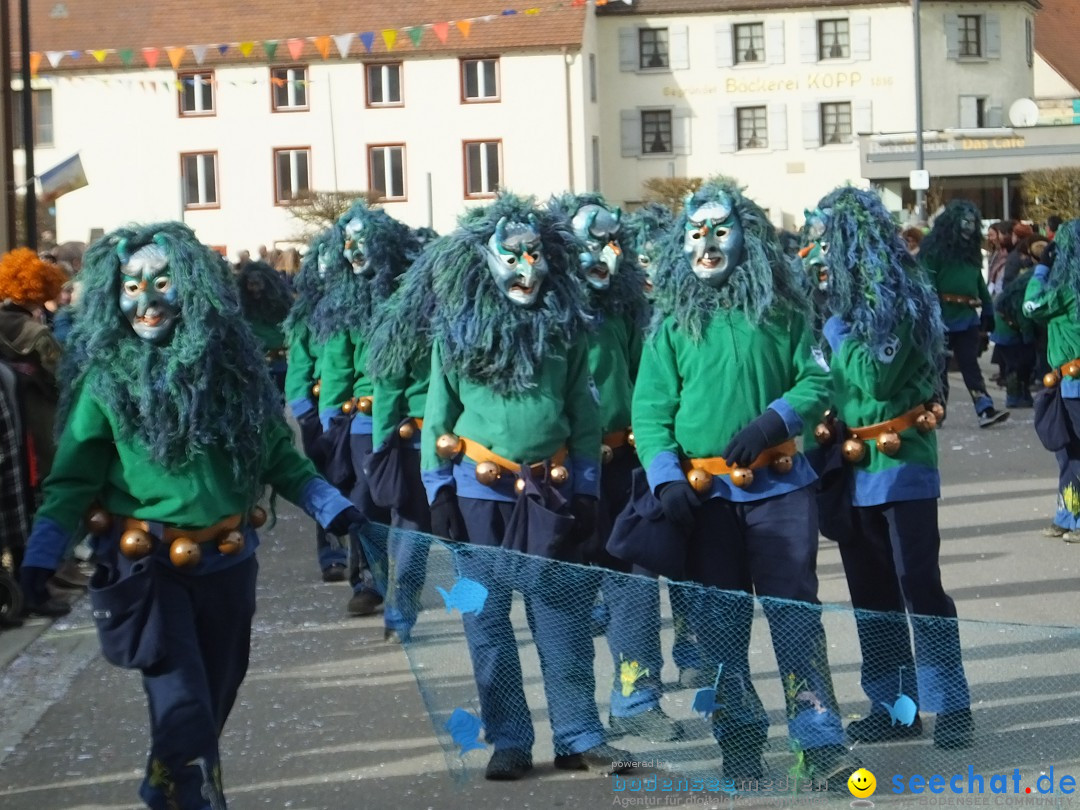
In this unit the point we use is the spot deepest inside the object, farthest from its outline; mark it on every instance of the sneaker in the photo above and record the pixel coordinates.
(601, 758)
(833, 764)
(652, 725)
(992, 417)
(878, 727)
(363, 603)
(954, 730)
(393, 635)
(1054, 531)
(334, 573)
(51, 608)
(1071, 536)
(508, 765)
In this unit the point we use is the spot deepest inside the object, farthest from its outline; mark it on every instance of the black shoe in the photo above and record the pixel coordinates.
(954, 730)
(879, 727)
(741, 748)
(992, 417)
(652, 725)
(364, 603)
(831, 764)
(52, 608)
(601, 758)
(334, 573)
(694, 678)
(508, 765)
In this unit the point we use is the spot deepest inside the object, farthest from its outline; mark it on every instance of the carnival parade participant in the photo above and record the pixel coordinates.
(1052, 299)
(884, 331)
(616, 296)
(728, 305)
(952, 254)
(302, 377)
(172, 430)
(511, 441)
(266, 299)
(376, 249)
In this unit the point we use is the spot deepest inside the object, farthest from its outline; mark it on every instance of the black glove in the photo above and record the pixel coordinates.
(986, 319)
(679, 502)
(584, 508)
(765, 431)
(36, 597)
(345, 520)
(446, 519)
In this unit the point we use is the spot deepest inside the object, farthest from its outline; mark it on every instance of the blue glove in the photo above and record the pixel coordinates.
(765, 431)
(836, 332)
(345, 520)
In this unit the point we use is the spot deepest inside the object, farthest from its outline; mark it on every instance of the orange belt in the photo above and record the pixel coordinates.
(719, 466)
(361, 405)
(479, 454)
(953, 298)
(408, 427)
(897, 425)
(617, 438)
(207, 535)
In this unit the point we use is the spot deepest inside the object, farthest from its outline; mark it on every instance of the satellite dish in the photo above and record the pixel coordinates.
(1024, 113)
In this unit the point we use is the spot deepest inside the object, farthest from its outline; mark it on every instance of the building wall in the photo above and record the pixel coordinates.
(1051, 84)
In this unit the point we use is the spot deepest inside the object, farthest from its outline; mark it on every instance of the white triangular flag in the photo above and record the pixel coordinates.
(54, 57)
(343, 42)
(200, 53)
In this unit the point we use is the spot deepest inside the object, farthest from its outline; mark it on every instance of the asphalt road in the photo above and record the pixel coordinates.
(331, 716)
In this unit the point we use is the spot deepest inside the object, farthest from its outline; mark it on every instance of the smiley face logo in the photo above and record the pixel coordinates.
(862, 783)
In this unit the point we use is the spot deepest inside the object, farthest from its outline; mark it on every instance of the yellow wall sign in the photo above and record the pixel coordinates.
(816, 80)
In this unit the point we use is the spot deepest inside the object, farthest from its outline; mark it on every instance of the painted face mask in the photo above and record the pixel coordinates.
(326, 259)
(969, 228)
(147, 295)
(597, 228)
(646, 260)
(354, 251)
(814, 252)
(713, 241)
(515, 258)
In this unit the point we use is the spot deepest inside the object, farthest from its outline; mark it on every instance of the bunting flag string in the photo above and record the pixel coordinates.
(296, 45)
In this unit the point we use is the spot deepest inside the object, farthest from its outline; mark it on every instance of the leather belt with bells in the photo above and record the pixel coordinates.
(408, 427)
(1070, 369)
(360, 404)
(316, 388)
(953, 298)
(613, 441)
(490, 467)
(885, 435)
(700, 471)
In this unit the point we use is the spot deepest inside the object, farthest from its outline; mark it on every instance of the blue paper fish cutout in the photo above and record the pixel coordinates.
(467, 595)
(464, 728)
(902, 711)
(705, 699)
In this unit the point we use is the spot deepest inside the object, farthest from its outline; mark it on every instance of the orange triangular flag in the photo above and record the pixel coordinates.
(151, 56)
(35, 62)
(464, 26)
(246, 48)
(441, 29)
(175, 56)
(296, 47)
(100, 55)
(322, 45)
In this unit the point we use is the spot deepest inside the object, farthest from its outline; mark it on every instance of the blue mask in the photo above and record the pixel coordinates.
(515, 259)
(147, 294)
(713, 241)
(597, 227)
(355, 252)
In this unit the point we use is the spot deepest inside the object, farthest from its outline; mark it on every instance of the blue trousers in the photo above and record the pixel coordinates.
(407, 567)
(328, 549)
(965, 348)
(684, 648)
(558, 619)
(360, 576)
(891, 564)
(767, 547)
(1068, 459)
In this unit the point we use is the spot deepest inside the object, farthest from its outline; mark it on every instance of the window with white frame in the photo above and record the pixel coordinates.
(198, 172)
(292, 173)
(656, 131)
(386, 171)
(483, 168)
(653, 48)
(480, 79)
(289, 88)
(970, 35)
(384, 85)
(749, 43)
(752, 127)
(196, 94)
(834, 39)
(836, 122)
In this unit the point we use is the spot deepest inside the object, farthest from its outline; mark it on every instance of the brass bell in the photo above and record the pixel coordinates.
(315, 389)
(231, 543)
(257, 517)
(558, 475)
(700, 480)
(781, 465)
(136, 544)
(185, 552)
(1071, 369)
(742, 477)
(447, 446)
(938, 410)
(889, 443)
(519, 486)
(487, 473)
(606, 454)
(364, 406)
(407, 430)
(925, 422)
(98, 520)
(630, 440)
(1050, 379)
(823, 434)
(348, 406)
(854, 450)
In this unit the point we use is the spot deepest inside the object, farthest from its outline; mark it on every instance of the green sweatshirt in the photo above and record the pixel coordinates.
(302, 373)
(692, 398)
(560, 410)
(269, 335)
(958, 279)
(1057, 308)
(399, 398)
(614, 355)
(344, 376)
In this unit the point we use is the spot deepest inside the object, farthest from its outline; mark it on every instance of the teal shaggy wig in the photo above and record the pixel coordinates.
(401, 328)
(272, 307)
(764, 282)
(946, 243)
(309, 287)
(650, 223)
(874, 283)
(625, 296)
(208, 387)
(485, 338)
(1066, 268)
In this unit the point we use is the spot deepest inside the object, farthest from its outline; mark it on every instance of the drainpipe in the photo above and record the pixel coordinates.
(568, 61)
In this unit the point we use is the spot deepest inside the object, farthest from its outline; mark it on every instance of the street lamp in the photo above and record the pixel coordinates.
(920, 194)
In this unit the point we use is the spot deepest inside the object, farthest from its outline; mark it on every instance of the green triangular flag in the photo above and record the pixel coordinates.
(416, 34)
(126, 55)
(270, 46)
